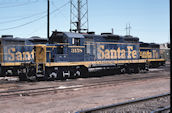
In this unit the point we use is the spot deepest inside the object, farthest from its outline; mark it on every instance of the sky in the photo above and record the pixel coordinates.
(149, 19)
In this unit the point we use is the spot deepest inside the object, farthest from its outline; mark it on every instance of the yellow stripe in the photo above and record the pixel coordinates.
(62, 43)
(86, 63)
(89, 63)
(89, 44)
(51, 46)
(115, 43)
(156, 60)
(39, 45)
(145, 48)
(11, 64)
(76, 46)
(20, 45)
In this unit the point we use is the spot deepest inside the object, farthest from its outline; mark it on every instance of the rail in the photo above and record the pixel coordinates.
(102, 108)
(56, 88)
(166, 108)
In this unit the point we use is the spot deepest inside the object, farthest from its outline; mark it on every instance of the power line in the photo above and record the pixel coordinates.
(53, 4)
(19, 19)
(59, 7)
(34, 19)
(33, 31)
(37, 29)
(17, 5)
(23, 24)
(4, 2)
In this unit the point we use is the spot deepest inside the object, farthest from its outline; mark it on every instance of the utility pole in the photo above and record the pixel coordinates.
(78, 16)
(48, 18)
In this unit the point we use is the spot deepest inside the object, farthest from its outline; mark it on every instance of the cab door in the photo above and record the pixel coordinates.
(40, 59)
(40, 53)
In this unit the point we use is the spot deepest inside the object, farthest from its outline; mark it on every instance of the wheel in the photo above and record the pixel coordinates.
(32, 78)
(27, 75)
(137, 69)
(22, 77)
(72, 72)
(84, 72)
(128, 70)
(123, 70)
(75, 74)
(78, 72)
(51, 76)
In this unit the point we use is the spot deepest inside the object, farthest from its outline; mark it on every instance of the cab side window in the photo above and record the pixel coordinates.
(76, 41)
(59, 49)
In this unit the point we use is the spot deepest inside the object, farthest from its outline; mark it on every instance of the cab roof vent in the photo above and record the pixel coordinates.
(106, 33)
(7, 36)
(91, 32)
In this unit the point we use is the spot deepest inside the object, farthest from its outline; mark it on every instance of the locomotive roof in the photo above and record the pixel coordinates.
(153, 45)
(6, 40)
(131, 38)
(13, 39)
(73, 35)
(67, 34)
(22, 39)
(35, 39)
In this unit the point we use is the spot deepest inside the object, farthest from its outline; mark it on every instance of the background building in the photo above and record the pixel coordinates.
(165, 51)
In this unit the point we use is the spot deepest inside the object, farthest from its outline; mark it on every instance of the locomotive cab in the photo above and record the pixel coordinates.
(69, 46)
(76, 47)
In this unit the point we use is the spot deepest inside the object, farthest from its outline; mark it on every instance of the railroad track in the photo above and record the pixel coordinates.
(15, 80)
(165, 109)
(7, 80)
(106, 80)
(62, 88)
(153, 104)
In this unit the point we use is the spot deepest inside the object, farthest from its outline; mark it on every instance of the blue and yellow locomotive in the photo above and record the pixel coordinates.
(71, 55)
(15, 51)
(151, 52)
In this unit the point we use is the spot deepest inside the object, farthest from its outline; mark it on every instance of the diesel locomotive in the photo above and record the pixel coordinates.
(72, 55)
(151, 52)
(14, 51)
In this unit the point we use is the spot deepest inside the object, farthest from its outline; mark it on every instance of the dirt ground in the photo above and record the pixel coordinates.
(79, 99)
